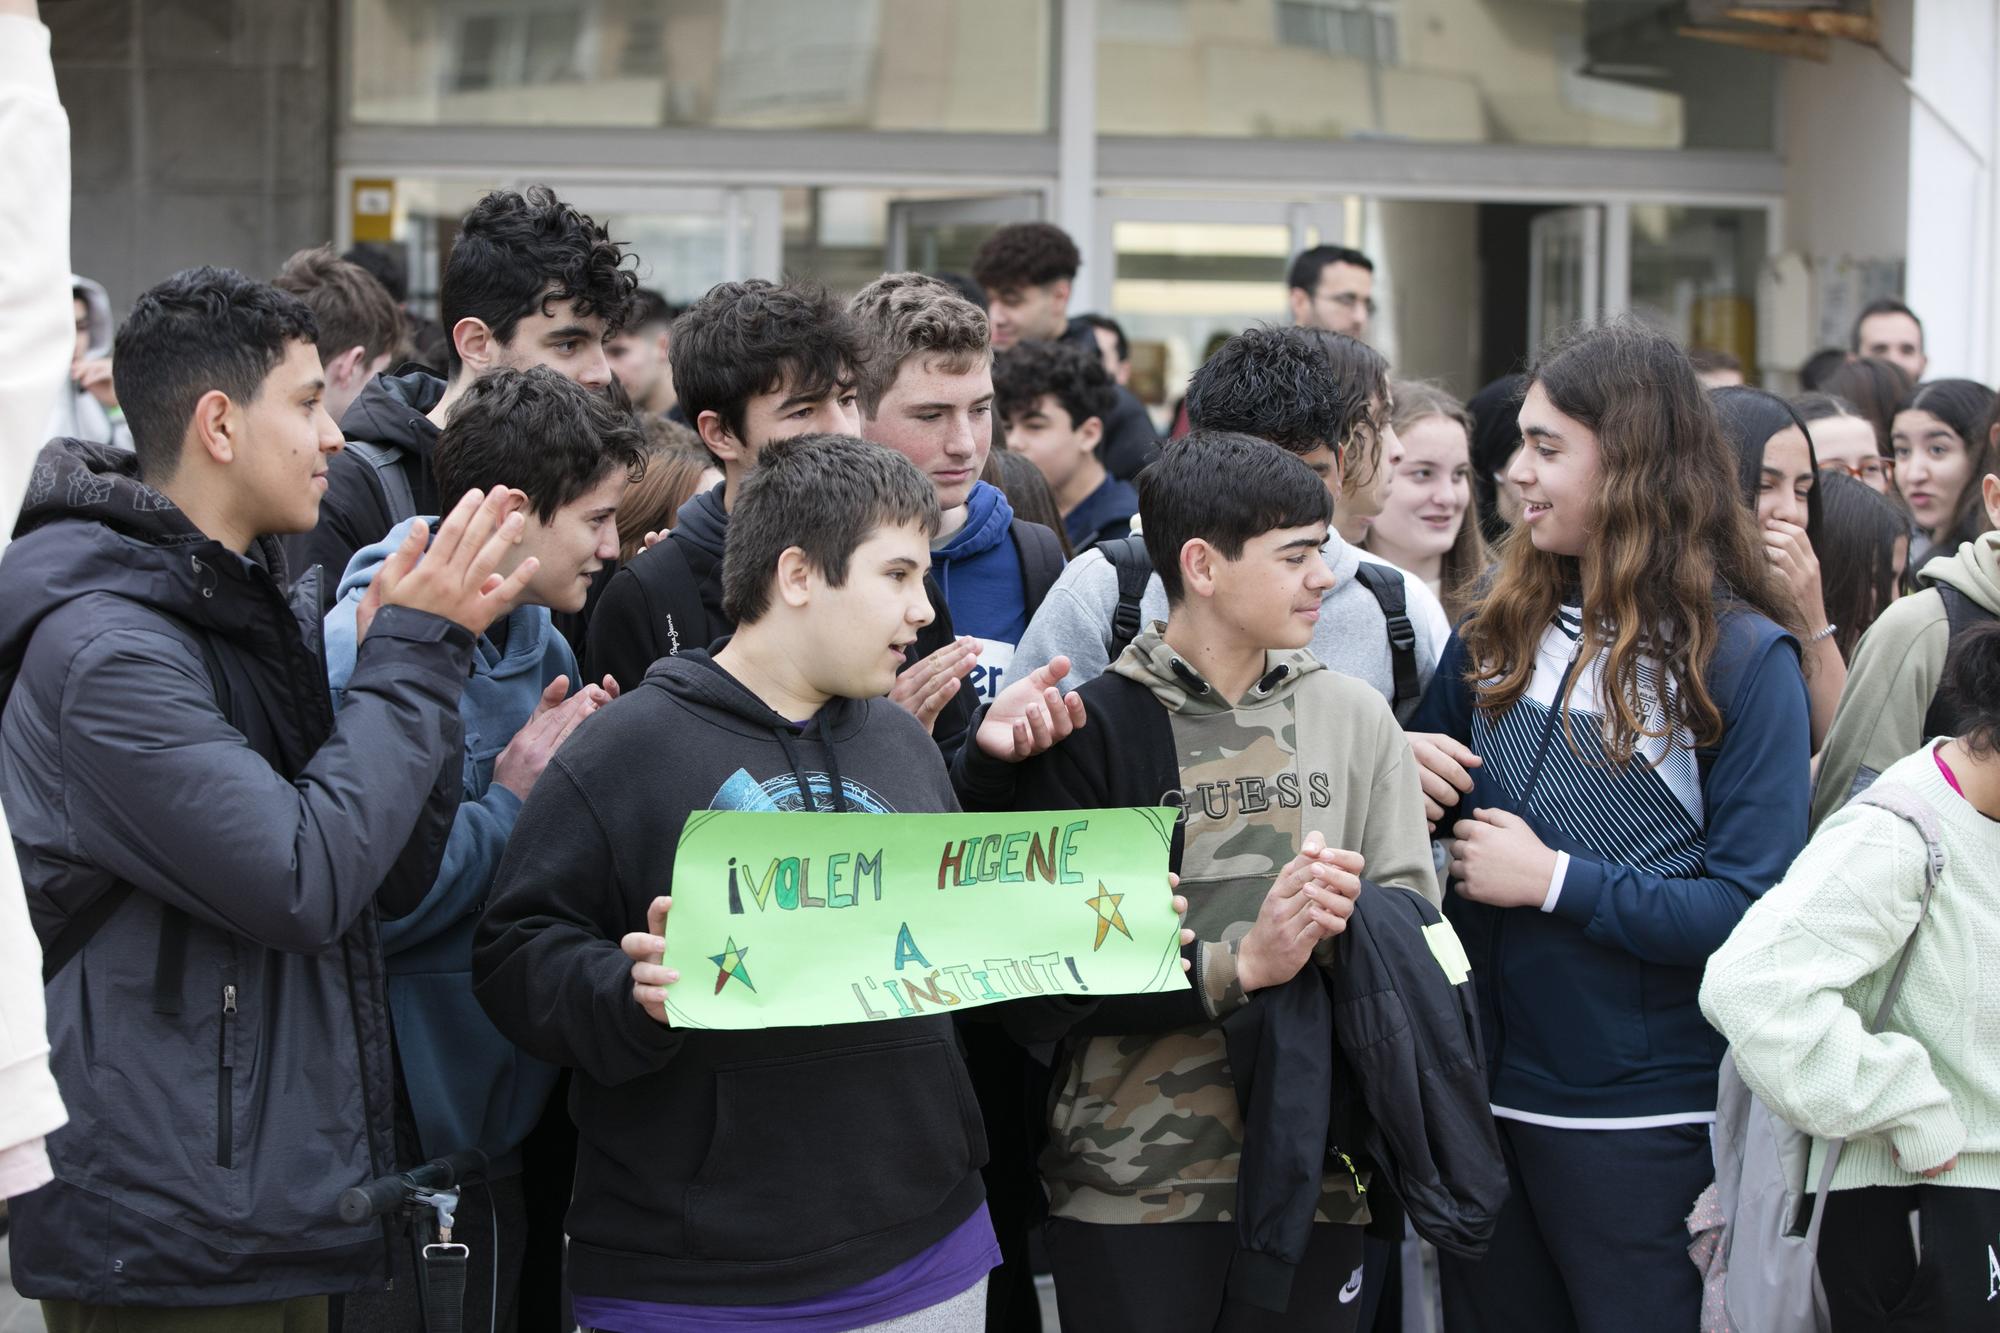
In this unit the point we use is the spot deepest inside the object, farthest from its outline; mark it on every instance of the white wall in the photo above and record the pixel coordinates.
(1954, 199)
(1846, 143)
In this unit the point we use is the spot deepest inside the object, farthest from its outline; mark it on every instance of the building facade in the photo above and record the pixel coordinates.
(1512, 165)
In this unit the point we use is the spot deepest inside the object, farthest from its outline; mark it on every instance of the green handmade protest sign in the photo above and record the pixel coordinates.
(793, 920)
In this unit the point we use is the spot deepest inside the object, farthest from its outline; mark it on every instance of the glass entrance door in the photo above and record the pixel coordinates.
(1565, 271)
(942, 235)
(689, 239)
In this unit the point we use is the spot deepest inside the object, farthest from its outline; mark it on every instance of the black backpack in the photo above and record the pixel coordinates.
(1961, 613)
(1128, 557)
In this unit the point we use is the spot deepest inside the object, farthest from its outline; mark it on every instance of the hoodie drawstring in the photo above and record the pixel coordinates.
(836, 789)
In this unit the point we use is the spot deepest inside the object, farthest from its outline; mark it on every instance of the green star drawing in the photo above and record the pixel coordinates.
(730, 960)
(1108, 916)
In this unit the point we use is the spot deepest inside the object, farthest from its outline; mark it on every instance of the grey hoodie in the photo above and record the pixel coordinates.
(78, 415)
(1075, 622)
(1895, 674)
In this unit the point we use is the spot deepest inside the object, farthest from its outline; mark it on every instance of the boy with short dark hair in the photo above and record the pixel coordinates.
(1053, 398)
(640, 355)
(1377, 623)
(1028, 270)
(1292, 781)
(530, 282)
(869, 1208)
(205, 845)
(752, 362)
(570, 454)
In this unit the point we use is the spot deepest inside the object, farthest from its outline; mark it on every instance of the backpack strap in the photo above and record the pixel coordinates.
(1394, 599)
(1041, 557)
(170, 958)
(1961, 614)
(391, 468)
(1128, 556)
(1906, 805)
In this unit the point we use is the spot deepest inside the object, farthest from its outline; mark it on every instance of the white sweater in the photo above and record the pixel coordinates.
(36, 337)
(1796, 986)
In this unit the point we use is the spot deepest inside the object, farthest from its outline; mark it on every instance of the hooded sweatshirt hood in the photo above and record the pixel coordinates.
(88, 524)
(527, 634)
(1152, 662)
(390, 410)
(978, 570)
(704, 523)
(97, 308)
(1973, 569)
(77, 413)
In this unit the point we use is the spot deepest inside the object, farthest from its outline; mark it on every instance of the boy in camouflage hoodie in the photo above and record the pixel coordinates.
(1292, 781)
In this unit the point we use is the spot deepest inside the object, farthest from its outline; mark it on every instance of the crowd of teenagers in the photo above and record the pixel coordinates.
(1529, 754)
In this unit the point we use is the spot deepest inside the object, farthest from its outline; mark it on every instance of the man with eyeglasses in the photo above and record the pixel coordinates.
(1333, 288)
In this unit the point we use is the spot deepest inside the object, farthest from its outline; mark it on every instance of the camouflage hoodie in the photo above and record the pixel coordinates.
(1145, 1126)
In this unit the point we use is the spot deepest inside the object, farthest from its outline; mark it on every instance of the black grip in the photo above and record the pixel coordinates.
(388, 1193)
(371, 1200)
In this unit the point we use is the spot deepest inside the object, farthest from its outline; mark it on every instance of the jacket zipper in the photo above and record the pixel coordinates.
(225, 1085)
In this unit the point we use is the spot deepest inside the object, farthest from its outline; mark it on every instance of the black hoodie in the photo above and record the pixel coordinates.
(669, 600)
(720, 1168)
(357, 510)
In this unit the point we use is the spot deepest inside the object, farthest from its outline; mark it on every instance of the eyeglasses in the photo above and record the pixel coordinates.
(1352, 301)
(1876, 471)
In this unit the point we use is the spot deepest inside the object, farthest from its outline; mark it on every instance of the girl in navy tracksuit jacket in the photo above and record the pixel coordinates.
(1618, 738)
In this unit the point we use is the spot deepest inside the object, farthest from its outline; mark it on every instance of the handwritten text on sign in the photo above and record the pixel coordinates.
(789, 920)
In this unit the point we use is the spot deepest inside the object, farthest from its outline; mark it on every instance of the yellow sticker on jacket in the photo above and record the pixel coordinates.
(1449, 953)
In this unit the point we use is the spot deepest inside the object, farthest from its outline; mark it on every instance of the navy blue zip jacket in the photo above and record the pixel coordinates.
(1591, 1007)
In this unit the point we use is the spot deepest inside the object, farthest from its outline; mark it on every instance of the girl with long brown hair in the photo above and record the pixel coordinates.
(1619, 732)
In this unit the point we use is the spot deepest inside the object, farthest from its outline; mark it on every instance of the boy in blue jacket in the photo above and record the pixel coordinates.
(571, 453)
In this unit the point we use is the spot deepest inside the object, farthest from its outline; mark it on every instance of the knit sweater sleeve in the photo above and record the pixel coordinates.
(1776, 989)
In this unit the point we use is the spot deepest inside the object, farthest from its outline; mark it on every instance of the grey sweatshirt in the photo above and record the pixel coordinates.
(1075, 622)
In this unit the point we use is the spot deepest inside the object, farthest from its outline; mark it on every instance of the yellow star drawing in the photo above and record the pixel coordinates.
(1108, 916)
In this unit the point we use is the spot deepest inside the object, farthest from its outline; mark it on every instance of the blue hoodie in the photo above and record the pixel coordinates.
(979, 572)
(1589, 1003)
(469, 1086)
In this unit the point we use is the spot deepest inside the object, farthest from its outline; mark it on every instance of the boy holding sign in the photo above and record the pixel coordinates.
(1292, 780)
(807, 1177)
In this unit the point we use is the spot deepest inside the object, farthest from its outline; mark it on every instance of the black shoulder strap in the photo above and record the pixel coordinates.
(391, 468)
(1961, 614)
(1041, 560)
(170, 960)
(1390, 594)
(1135, 569)
(674, 596)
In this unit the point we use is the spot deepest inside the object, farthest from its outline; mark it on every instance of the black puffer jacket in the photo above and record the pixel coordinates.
(222, 1037)
(1384, 1049)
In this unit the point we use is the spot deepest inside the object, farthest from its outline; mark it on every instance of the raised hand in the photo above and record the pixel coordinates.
(457, 575)
(1309, 901)
(928, 686)
(519, 765)
(1030, 715)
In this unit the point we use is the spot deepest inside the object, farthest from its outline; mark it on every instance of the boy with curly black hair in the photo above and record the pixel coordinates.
(530, 282)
